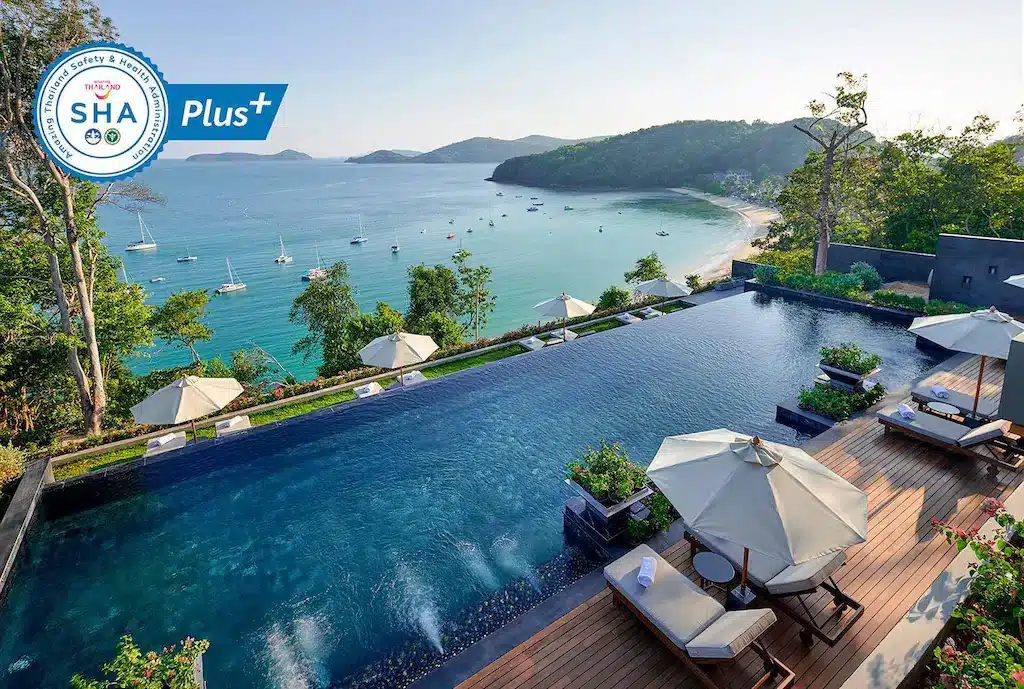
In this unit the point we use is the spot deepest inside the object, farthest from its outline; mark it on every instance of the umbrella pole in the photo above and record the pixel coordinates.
(565, 328)
(195, 436)
(977, 390)
(743, 576)
(401, 376)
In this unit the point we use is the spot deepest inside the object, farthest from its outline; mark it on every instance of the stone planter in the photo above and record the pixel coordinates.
(846, 380)
(731, 284)
(609, 514)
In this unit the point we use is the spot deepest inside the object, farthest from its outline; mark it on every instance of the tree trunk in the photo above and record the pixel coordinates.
(477, 317)
(824, 213)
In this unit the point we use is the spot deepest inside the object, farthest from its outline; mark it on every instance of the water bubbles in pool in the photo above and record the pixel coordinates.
(19, 665)
(477, 564)
(415, 603)
(507, 555)
(298, 654)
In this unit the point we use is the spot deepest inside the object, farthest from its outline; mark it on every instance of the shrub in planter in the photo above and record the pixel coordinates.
(12, 463)
(639, 530)
(837, 404)
(849, 357)
(607, 474)
(897, 300)
(937, 307)
(768, 275)
(870, 277)
(172, 668)
(831, 284)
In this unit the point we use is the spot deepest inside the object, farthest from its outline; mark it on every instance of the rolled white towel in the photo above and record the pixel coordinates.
(647, 567)
(906, 412)
(940, 391)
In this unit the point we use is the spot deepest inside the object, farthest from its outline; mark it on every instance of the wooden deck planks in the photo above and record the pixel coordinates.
(599, 645)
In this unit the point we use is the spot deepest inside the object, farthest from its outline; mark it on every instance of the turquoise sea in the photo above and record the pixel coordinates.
(238, 211)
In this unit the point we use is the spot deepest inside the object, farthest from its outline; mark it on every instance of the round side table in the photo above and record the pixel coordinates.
(714, 570)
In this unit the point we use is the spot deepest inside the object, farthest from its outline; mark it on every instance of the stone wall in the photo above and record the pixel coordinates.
(971, 270)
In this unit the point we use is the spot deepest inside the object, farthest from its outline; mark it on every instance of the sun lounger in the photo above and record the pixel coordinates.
(165, 443)
(774, 581)
(368, 390)
(411, 378)
(627, 318)
(692, 624)
(990, 443)
(233, 425)
(532, 343)
(987, 409)
(567, 335)
(650, 312)
(553, 340)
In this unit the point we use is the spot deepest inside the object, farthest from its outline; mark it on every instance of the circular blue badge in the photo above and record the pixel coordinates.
(102, 93)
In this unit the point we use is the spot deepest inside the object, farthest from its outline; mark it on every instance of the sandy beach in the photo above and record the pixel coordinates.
(757, 219)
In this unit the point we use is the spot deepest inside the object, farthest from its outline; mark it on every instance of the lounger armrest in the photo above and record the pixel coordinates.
(731, 633)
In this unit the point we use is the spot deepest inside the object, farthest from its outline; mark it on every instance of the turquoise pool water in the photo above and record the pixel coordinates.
(363, 535)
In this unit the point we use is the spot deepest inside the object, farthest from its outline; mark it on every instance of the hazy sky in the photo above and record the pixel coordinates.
(368, 74)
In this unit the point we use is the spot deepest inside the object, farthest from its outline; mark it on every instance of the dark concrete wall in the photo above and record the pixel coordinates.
(743, 270)
(892, 265)
(986, 262)
(1011, 404)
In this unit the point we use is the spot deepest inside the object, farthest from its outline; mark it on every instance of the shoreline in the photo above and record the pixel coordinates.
(757, 219)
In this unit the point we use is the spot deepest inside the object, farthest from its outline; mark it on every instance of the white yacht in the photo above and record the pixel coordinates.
(318, 272)
(394, 247)
(159, 278)
(284, 258)
(359, 238)
(233, 284)
(188, 257)
(143, 243)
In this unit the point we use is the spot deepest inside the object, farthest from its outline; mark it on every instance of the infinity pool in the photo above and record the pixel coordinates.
(361, 536)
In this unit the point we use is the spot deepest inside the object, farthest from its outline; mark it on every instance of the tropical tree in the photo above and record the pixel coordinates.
(614, 297)
(325, 308)
(834, 129)
(647, 267)
(179, 321)
(444, 330)
(477, 302)
(430, 290)
(368, 326)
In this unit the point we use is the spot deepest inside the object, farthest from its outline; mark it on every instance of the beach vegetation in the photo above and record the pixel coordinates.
(614, 297)
(647, 267)
(477, 301)
(326, 307)
(431, 289)
(444, 330)
(768, 275)
(179, 320)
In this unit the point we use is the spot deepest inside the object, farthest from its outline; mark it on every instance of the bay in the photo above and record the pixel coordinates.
(239, 210)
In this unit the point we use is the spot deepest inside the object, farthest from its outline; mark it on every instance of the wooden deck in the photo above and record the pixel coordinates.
(598, 645)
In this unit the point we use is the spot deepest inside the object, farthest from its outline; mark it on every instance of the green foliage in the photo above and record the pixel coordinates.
(365, 327)
(12, 463)
(868, 275)
(607, 473)
(898, 300)
(850, 357)
(443, 329)
(647, 267)
(661, 512)
(837, 404)
(937, 307)
(693, 282)
(250, 366)
(431, 290)
(179, 321)
(326, 307)
(614, 297)
(476, 301)
(639, 530)
(768, 275)
(789, 261)
(171, 668)
(831, 284)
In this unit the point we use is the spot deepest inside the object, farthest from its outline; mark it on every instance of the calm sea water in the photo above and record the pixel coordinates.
(337, 539)
(238, 211)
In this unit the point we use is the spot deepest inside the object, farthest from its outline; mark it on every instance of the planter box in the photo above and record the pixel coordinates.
(732, 284)
(608, 514)
(847, 380)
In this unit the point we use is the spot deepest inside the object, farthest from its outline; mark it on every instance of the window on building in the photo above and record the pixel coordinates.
(966, 282)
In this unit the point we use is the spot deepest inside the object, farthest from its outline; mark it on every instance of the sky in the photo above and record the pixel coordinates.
(419, 74)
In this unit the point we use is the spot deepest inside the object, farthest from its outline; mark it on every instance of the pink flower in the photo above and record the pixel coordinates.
(1018, 676)
(991, 506)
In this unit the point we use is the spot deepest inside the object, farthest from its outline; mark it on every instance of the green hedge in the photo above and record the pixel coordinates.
(837, 404)
(831, 284)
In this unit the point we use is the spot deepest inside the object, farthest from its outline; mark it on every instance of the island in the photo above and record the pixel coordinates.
(234, 156)
(382, 156)
(479, 149)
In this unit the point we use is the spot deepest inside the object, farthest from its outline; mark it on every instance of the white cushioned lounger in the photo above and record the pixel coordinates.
(368, 390)
(627, 318)
(532, 343)
(233, 425)
(651, 312)
(987, 409)
(694, 626)
(165, 443)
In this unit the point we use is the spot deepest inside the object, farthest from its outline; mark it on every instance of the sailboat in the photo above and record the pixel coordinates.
(318, 272)
(394, 247)
(284, 258)
(490, 216)
(143, 243)
(124, 274)
(188, 257)
(233, 284)
(359, 238)
(661, 231)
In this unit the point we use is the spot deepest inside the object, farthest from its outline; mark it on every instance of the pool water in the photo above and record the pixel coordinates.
(345, 536)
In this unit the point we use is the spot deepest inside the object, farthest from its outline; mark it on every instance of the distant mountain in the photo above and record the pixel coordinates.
(1017, 141)
(476, 150)
(407, 153)
(670, 155)
(229, 156)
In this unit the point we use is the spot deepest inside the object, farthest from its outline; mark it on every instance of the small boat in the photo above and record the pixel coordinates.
(284, 258)
(423, 231)
(533, 198)
(532, 209)
(539, 203)
(452, 221)
(359, 238)
(470, 230)
(519, 196)
(567, 208)
(188, 257)
(499, 194)
(451, 236)
(394, 247)
(490, 223)
(481, 217)
(233, 284)
(600, 228)
(159, 278)
(143, 244)
(315, 273)
(504, 215)
(661, 233)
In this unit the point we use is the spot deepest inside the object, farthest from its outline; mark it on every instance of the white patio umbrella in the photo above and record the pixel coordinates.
(186, 399)
(664, 287)
(1015, 280)
(397, 351)
(987, 333)
(770, 498)
(564, 307)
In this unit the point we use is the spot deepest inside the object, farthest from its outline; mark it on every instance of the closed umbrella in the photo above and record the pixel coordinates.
(397, 351)
(1015, 280)
(770, 498)
(664, 287)
(186, 399)
(564, 307)
(987, 332)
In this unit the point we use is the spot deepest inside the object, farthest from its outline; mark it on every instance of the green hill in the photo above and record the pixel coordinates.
(669, 155)
(381, 156)
(487, 150)
(231, 156)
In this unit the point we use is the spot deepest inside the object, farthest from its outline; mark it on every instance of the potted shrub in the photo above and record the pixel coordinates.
(848, 365)
(176, 667)
(608, 481)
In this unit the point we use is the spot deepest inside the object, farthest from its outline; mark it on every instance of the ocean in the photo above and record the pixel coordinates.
(238, 211)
